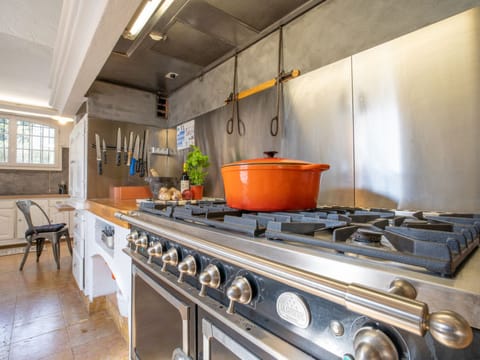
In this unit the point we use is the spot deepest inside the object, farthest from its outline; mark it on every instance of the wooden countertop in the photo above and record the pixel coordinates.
(106, 208)
(39, 196)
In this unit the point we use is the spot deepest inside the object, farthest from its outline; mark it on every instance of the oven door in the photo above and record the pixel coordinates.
(163, 321)
(219, 340)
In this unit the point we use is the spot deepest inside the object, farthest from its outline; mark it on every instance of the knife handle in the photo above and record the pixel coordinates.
(129, 159)
(132, 166)
(105, 157)
(142, 170)
(99, 167)
(125, 157)
(118, 158)
(137, 167)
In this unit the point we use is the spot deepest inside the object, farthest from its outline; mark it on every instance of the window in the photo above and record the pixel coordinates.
(28, 144)
(3, 140)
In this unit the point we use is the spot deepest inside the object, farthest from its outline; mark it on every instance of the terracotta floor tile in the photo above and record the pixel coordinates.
(64, 355)
(38, 327)
(5, 335)
(7, 313)
(111, 347)
(4, 352)
(43, 315)
(95, 327)
(40, 346)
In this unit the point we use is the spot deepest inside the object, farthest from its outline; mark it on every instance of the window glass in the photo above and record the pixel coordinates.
(3, 140)
(35, 143)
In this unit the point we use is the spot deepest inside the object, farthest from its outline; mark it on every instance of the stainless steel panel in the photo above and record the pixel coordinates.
(416, 114)
(202, 95)
(258, 63)
(318, 127)
(210, 134)
(191, 45)
(215, 22)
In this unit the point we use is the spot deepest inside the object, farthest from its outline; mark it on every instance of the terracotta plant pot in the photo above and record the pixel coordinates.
(272, 184)
(197, 192)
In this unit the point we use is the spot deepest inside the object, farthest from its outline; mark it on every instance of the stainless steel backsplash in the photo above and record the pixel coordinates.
(398, 123)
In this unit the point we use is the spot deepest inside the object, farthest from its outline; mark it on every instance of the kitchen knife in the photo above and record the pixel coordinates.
(99, 154)
(135, 156)
(140, 157)
(130, 148)
(104, 151)
(125, 152)
(118, 155)
(143, 158)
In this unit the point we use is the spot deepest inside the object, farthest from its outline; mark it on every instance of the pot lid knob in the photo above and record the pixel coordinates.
(270, 154)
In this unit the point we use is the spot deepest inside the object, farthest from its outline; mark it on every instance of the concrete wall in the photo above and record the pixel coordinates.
(114, 102)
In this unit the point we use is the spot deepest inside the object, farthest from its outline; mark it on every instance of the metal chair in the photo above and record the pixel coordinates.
(37, 234)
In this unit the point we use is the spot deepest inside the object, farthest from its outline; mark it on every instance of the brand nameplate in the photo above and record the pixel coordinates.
(292, 308)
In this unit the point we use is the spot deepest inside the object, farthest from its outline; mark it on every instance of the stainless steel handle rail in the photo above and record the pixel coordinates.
(447, 327)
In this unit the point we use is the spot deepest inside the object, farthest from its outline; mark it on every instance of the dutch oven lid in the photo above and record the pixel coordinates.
(269, 160)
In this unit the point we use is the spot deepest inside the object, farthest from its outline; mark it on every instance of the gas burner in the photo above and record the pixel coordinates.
(367, 236)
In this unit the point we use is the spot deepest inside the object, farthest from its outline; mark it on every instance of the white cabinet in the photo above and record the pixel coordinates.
(7, 219)
(77, 157)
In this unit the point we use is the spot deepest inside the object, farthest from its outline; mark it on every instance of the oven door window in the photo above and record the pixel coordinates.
(219, 346)
(160, 320)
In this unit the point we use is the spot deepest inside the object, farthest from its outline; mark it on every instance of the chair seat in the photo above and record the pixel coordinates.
(44, 229)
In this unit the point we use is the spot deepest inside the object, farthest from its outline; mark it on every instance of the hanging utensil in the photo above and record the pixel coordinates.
(235, 110)
(104, 151)
(130, 149)
(135, 155)
(118, 154)
(274, 123)
(99, 154)
(125, 151)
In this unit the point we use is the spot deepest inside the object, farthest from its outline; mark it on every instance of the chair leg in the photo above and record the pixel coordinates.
(25, 255)
(40, 244)
(56, 250)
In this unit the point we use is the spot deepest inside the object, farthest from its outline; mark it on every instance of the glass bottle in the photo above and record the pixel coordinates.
(184, 180)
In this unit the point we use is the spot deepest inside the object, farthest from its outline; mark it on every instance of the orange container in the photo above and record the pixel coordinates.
(272, 184)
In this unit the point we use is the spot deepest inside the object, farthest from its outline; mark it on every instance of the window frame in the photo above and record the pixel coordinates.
(11, 163)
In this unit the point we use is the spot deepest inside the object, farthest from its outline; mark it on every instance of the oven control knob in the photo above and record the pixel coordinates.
(371, 343)
(239, 291)
(210, 277)
(187, 267)
(155, 250)
(170, 257)
(142, 241)
(132, 236)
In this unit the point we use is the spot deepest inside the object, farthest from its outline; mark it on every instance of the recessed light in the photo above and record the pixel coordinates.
(171, 75)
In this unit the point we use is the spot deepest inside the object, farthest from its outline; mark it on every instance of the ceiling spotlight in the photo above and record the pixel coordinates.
(157, 36)
(171, 75)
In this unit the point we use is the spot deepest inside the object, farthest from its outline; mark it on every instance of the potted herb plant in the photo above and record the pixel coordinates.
(196, 165)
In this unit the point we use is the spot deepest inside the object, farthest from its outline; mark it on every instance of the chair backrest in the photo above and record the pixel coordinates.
(25, 208)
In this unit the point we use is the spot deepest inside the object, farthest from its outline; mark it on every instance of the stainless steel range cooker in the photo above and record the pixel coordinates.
(210, 282)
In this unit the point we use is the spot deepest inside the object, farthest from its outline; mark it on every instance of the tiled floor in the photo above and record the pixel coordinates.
(42, 315)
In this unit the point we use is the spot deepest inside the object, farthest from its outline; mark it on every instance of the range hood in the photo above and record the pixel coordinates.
(185, 39)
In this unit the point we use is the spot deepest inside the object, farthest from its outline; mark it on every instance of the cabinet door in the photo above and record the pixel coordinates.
(77, 165)
(37, 217)
(7, 219)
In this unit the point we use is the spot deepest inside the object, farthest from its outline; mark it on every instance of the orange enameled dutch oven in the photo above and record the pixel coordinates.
(272, 184)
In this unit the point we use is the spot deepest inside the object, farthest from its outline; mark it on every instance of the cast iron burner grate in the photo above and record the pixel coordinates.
(439, 244)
